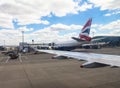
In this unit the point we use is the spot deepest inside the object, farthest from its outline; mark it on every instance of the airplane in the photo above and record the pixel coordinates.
(75, 42)
(93, 60)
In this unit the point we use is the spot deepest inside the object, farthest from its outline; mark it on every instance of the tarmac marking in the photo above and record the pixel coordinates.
(2, 59)
(27, 77)
(20, 57)
(8, 58)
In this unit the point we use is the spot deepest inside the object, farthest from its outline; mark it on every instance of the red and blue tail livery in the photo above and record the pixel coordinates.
(84, 35)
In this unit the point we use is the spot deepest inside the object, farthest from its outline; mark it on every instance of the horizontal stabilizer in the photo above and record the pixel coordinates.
(77, 39)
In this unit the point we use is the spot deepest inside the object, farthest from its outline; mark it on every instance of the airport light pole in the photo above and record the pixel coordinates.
(22, 39)
(4, 43)
(93, 33)
(22, 36)
(32, 41)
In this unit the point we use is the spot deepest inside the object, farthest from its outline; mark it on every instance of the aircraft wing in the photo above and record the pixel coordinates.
(93, 60)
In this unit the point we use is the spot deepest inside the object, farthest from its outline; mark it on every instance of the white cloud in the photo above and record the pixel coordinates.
(5, 21)
(116, 32)
(52, 33)
(111, 28)
(31, 11)
(84, 7)
(11, 37)
(59, 26)
(25, 29)
(47, 36)
(113, 13)
(106, 4)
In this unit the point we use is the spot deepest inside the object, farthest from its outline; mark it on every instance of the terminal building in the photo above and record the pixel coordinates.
(103, 41)
(110, 40)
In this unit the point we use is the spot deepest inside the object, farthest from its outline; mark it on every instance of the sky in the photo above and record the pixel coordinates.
(56, 20)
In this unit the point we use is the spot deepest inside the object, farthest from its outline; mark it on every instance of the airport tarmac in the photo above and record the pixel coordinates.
(40, 71)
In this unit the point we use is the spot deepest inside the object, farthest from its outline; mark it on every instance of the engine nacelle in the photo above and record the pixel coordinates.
(59, 57)
(92, 65)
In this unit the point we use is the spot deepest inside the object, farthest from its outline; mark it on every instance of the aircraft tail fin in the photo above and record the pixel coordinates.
(84, 35)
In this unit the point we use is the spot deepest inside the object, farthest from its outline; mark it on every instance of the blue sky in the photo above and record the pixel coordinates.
(56, 20)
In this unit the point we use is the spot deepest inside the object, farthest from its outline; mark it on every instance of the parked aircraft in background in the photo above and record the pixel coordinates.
(76, 42)
(93, 60)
